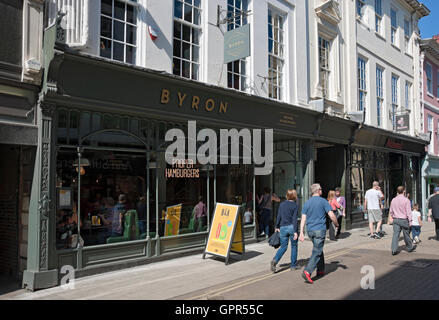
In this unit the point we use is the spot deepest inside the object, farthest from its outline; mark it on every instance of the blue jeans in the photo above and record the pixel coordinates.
(142, 226)
(287, 232)
(416, 231)
(317, 259)
(265, 221)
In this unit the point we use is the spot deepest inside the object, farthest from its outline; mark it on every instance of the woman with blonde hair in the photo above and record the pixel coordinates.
(286, 224)
(335, 206)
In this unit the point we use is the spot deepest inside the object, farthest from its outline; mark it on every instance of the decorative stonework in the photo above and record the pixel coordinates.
(43, 244)
(329, 11)
(45, 167)
(44, 206)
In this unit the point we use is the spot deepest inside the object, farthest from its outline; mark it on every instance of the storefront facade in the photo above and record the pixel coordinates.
(102, 129)
(391, 159)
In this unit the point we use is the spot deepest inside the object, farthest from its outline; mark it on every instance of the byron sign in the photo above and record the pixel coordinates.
(237, 44)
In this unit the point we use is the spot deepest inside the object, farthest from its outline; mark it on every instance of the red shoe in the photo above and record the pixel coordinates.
(307, 277)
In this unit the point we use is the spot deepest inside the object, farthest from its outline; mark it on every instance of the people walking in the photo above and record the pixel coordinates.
(286, 224)
(433, 210)
(335, 207)
(266, 205)
(401, 215)
(416, 224)
(342, 201)
(372, 207)
(314, 216)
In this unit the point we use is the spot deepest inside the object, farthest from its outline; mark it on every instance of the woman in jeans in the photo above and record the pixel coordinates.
(334, 205)
(286, 224)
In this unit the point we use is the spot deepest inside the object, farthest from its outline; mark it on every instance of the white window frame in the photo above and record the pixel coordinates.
(326, 68)
(430, 130)
(360, 4)
(395, 93)
(192, 45)
(378, 16)
(276, 89)
(125, 22)
(394, 28)
(362, 82)
(237, 71)
(380, 94)
(408, 95)
(407, 35)
(429, 79)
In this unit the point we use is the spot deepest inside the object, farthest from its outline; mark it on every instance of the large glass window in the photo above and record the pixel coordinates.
(407, 36)
(237, 70)
(360, 8)
(325, 71)
(380, 94)
(362, 87)
(275, 54)
(186, 42)
(408, 89)
(118, 30)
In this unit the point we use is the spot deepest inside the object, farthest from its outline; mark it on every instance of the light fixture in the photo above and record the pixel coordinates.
(84, 163)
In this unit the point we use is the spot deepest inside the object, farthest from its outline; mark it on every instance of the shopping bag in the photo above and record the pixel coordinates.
(274, 240)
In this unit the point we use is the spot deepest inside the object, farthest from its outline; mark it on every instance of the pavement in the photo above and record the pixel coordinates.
(349, 260)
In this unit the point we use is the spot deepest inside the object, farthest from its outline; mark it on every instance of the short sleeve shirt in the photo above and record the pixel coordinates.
(315, 210)
(373, 199)
(415, 215)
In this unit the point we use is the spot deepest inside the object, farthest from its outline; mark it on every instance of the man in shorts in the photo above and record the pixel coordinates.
(372, 201)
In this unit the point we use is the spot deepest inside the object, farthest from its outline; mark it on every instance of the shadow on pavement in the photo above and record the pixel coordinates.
(414, 279)
(235, 257)
(344, 235)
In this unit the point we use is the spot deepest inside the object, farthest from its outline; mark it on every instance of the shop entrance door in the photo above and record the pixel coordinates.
(396, 174)
(329, 167)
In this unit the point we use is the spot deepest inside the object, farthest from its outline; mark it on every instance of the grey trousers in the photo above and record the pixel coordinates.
(398, 225)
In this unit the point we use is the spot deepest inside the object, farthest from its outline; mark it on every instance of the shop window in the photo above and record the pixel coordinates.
(118, 30)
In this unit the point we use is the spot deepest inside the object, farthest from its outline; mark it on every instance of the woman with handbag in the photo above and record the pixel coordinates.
(286, 225)
(336, 207)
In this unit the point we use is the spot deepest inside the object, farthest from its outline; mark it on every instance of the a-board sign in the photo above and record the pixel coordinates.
(172, 220)
(226, 233)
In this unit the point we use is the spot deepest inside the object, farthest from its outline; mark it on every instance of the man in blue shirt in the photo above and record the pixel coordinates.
(314, 215)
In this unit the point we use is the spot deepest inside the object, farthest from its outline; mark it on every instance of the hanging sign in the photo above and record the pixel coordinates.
(402, 122)
(237, 44)
(226, 232)
(172, 220)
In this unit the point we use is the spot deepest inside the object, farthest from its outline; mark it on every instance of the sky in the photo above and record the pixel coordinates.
(429, 25)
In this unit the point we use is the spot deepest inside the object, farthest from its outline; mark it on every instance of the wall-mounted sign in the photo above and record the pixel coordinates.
(172, 220)
(237, 43)
(391, 143)
(226, 232)
(402, 122)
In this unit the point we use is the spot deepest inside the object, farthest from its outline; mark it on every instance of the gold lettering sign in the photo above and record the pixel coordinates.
(210, 104)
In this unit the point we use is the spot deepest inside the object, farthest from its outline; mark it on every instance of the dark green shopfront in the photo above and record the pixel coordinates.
(102, 128)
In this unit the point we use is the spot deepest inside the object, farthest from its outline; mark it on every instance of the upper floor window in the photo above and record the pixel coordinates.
(380, 94)
(395, 81)
(275, 54)
(408, 89)
(429, 73)
(362, 88)
(407, 35)
(237, 70)
(360, 8)
(378, 16)
(394, 27)
(430, 130)
(325, 72)
(118, 30)
(187, 31)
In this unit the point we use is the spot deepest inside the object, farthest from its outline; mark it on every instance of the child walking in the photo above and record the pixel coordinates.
(416, 224)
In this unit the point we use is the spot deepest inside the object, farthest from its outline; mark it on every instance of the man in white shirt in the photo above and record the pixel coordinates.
(372, 200)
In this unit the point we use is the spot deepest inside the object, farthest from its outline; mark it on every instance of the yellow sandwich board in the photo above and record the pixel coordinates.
(172, 220)
(226, 232)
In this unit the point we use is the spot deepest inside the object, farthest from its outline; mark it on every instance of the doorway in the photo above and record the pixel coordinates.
(329, 166)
